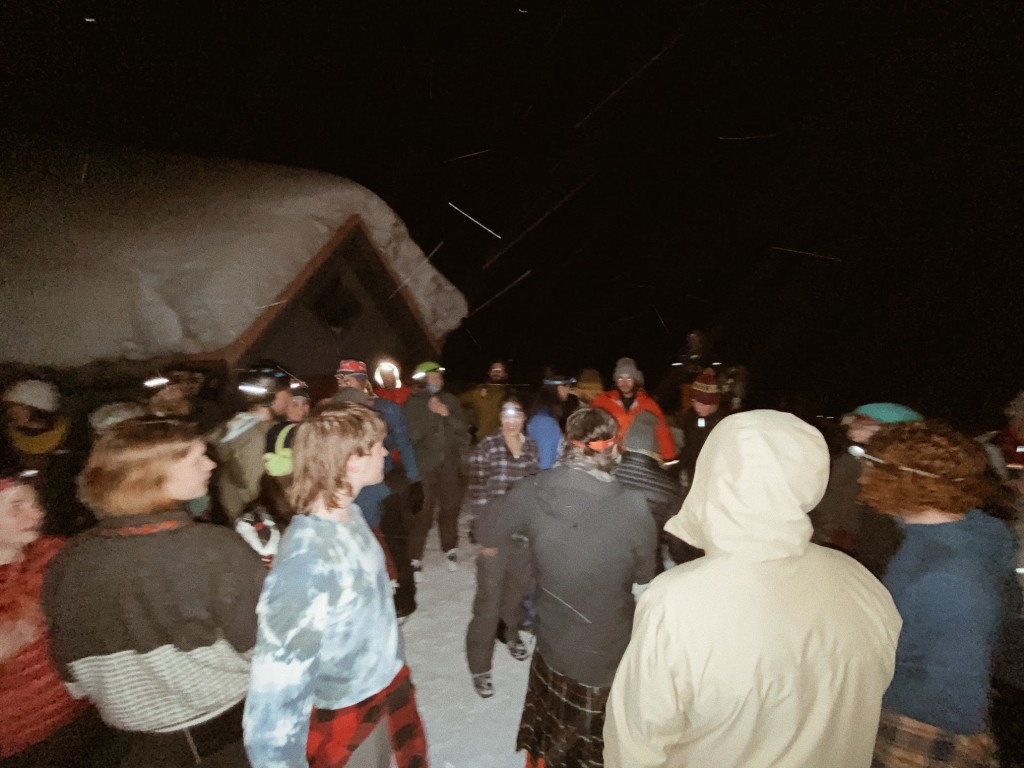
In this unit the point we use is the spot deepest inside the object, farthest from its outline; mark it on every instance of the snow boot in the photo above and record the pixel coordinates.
(483, 685)
(517, 649)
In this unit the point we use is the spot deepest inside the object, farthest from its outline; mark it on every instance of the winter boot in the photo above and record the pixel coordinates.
(483, 685)
(517, 649)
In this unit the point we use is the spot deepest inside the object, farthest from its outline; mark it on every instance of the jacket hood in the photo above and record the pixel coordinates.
(757, 477)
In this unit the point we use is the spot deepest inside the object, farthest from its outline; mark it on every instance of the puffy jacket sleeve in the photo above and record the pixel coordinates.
(666, 445)
(646, 711)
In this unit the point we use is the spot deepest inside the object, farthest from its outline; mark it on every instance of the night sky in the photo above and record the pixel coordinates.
(651, 167)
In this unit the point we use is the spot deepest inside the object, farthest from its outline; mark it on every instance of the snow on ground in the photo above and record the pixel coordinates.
(463, 730)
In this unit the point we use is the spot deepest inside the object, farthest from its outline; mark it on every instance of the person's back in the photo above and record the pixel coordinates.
(769, 651)
(591, 540)
(796, 678)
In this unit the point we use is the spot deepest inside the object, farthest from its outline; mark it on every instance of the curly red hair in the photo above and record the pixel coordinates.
(932, 446)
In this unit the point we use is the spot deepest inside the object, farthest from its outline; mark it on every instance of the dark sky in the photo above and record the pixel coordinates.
(645, 163)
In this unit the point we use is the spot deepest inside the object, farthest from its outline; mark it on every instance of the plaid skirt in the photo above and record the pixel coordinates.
(907, 743)
(334, 734)
(562, 720)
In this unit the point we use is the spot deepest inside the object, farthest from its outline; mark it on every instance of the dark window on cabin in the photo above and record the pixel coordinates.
(336, 304)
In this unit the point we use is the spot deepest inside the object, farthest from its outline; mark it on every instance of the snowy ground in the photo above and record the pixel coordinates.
(463, 730)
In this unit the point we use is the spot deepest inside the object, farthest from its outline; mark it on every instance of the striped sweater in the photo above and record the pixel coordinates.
(153, 619)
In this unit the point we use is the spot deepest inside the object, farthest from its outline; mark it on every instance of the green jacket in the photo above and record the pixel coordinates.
(435, 439)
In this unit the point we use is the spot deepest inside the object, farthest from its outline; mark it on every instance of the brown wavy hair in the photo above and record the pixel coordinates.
(127, 468)
(323, 445)
(588, 425)
(930, 446)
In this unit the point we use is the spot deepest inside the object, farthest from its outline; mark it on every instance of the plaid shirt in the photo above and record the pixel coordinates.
(493, 469)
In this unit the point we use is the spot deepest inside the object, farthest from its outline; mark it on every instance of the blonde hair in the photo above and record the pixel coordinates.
(128, 467)
(323, 445)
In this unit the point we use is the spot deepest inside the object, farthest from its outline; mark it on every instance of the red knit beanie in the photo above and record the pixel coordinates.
(706, 389)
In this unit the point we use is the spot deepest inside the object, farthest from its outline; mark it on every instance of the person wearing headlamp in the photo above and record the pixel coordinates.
(439, 437)
(389, 383)
(590, 542)
(953, 583)
(502, 581)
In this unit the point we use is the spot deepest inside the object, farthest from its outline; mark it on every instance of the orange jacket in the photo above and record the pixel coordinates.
(611, 401)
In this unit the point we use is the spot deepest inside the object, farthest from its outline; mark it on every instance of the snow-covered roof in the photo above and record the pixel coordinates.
(126, 254)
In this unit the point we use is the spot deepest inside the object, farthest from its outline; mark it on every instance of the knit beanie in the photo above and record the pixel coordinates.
(589, 385)
(640, 435)
(627, 367)
(887, 413)
(706, 389)
(351, 368)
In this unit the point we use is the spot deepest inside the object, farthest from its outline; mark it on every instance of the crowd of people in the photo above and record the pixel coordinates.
(706, 585)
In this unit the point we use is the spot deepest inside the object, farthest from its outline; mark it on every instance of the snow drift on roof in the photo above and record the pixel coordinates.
(137, 255)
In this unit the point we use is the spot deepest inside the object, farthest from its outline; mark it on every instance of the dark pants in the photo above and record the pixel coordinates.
(393, 524)
(217, 743)
(442, 490)
(502, 581)
(1007, 716)
(85, 742)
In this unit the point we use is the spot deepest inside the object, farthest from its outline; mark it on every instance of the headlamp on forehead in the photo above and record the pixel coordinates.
(156, 381)
(511, 411)
(423, 371)
(387, 365)
(19, 478)
(561, 381)
(858, 452)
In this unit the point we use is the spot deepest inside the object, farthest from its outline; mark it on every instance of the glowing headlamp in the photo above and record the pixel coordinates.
(387, 365)
(252, 389)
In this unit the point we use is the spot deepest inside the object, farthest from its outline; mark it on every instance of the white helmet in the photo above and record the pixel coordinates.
(41, 395)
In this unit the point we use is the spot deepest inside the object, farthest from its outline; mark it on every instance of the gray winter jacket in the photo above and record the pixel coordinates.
(590, 540)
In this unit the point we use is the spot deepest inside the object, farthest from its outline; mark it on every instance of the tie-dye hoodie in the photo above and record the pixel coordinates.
(328, 637)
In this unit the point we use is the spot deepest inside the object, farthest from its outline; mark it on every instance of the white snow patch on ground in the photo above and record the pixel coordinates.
(463, 730)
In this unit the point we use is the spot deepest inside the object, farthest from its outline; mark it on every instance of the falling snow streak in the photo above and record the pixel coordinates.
(467, 155)
(631, 78)
(661, 319)
(487, 229)
(413, 273)
(503, 291)
(747, 138)
(806, 253)
(539, 221)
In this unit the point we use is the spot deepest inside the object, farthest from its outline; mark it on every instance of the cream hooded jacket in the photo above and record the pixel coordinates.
(768, 651)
